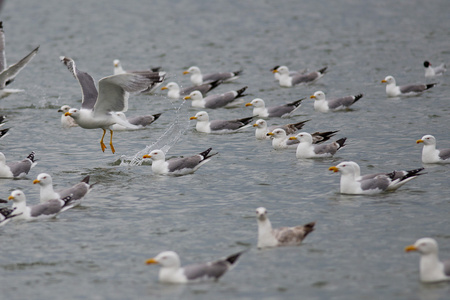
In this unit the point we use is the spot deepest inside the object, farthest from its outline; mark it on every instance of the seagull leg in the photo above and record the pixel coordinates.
(101, 141)
(110, 142)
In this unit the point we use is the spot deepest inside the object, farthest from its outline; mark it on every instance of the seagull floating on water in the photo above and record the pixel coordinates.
(16, 169)
(262, 129)
(286, 80)
(285, 110)
(219, 126)
(434, 71)
(197, 78)
(431, 155)
(392, 90)
(174, 91)
(322, 104)
(307, 149)
(227, 99)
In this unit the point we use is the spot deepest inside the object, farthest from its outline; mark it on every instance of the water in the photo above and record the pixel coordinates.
(97, 251)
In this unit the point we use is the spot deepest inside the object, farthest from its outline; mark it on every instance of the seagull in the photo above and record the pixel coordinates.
(77, 192)
(8, 74)
(174, 91)
(430, 154)
(139, 121)
(307, 149)
(262, 129)
(215, 101)
(280, 139)
(286, 80)
(66, 121)
(97, 107)
(172, 272)
(260, 109)
(177, 166)
(434, 71)
(291, 73)
(353, 183)
(16, 169)
(431, 268)
(392, 90)
(283, 236)
(49, 209)
(197, 78)
(219, 126)
(152, 87)
(322, 104)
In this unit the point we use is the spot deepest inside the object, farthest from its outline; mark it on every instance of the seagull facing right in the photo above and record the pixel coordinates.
(431, 268)
(431, 155)
(8, 74)
(353, 183)
(434, 71)
(172, 272)
(322, 104)
(16, 169)
(392, 90)
(286, 80)
(283, 236)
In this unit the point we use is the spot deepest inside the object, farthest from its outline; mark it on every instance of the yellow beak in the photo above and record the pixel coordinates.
(410, 248)
(151, 261)
(292, 138)
(269, 133)
(275, 71)
(164, 88)
(192, 118)
(419, 141)
(187, 97)
(255, 125)
(10, 197)
(334, 169)
(185, 72)
(248, 104)
(146, 156)
(383, 81)
(36, 181)
(312, 97)
(67, 114)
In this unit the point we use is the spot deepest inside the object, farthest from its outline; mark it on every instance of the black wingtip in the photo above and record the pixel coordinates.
(205, 153)
(156, 116)
(323, 70)
(237, 73)
(430, 85)
(297, 102)
(241, 92)
(86, 179)
(246, 120)
(31, 156)
(341, 142)
(357, 97)
(234, 257)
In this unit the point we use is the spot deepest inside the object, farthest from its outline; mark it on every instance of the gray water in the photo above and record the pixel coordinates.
(98, 250)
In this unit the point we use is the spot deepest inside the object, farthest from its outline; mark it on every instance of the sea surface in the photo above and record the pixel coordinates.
(98, 250)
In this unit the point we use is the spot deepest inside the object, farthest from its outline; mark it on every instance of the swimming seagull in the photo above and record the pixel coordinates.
(152, 87)
(283, 236)
(260, 109)
(174, 91)
(97, 107)
(219, 126)
(172, 272)
(430, 154)
(286, 80)
(177, 166)
(49, 209)
(215, 101)
(392, 90)
(77, 191)
(431, 268)
(8, 74)
(197, 78)
(139, 121)
(353, 183)
(262, 129)
(280, 140)
(16, 169)
(276, 75)
(434, 71)
(322, 104)
(66, 121)
(306, 148)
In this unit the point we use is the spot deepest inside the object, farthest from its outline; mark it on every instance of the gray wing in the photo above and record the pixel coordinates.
(278, 111)
(21, 167)
(45, 209)
(413, 88)
(228, 124)
(444, 154)
(216, 101)
(326, 149)
(341, 102)
(113, 91)
(87, 84)
(142, 120)
(218, 76)
(10, 73)
(293, 235)
(177, 164)
(208, 270)
(203, 88)
(292, 128)
(2, 48)
(77, 191)
(380, 182)
(300, 78)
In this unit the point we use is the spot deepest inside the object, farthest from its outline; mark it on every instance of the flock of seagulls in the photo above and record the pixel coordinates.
(105, 109)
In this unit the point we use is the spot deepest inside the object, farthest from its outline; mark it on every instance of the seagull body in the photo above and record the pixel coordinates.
(392, 90)
(139, 121)
(8, 74)
(152, 87)
(215, 101)
(175, 92)
(431, 268)
(260, 109)
(284, 236)
(177, 166)
(198, 79)
(97, 108)
(280, 140)
(434, 71)
(307, 149)
(431, 155)
(322, 104)
(353, 183)
(219, 126)
(66, 121)
(262, 129)
(172, 272)
(16, 169)
(286, 80)
(276, 75)
(43, 210)
(47, 193)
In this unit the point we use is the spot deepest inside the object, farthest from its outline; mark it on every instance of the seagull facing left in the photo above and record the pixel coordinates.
(172, 272)
(97, 108)
(392, 90)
